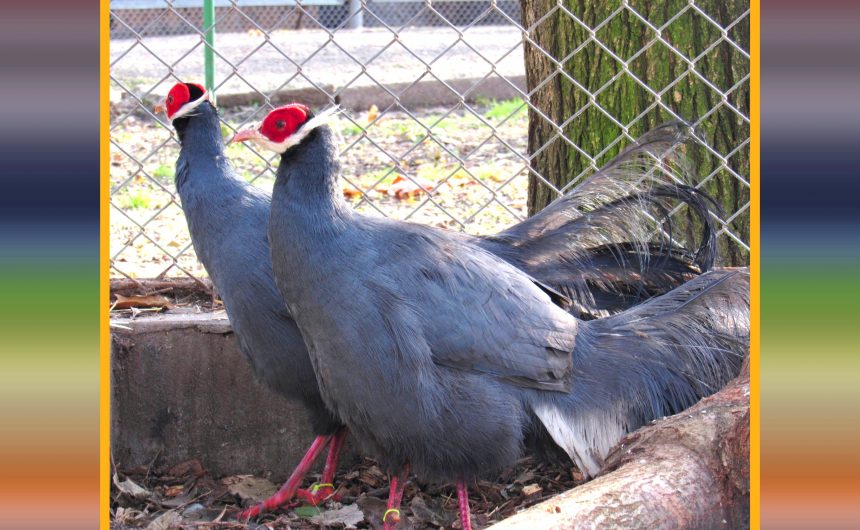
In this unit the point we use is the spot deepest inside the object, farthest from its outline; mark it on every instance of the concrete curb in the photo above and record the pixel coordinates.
(431, 93)
(181, 389)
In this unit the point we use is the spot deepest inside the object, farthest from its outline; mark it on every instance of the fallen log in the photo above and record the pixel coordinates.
(130, 286)
(688, 471)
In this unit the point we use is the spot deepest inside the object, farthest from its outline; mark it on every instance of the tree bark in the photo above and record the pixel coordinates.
(570, 78)
(688, 471)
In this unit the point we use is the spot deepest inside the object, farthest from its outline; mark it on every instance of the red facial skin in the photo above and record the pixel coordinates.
(279, 124)
(179, 95)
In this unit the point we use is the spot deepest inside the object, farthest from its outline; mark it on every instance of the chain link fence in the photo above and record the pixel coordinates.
(435, 127)
(152, 18)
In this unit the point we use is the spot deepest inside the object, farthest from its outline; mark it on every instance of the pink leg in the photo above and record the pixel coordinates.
(288, 490)
(325, 490)
(463, 501)
(333, 457)
(395, 495)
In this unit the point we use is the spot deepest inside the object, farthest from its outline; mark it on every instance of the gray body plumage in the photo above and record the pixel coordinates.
(435, 351)
(226, 219)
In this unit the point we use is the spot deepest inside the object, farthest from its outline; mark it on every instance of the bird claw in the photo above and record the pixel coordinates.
(315, 496)
(318, 495)
(257, 509)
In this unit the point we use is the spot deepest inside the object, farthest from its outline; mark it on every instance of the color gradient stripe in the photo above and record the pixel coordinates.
(49, 386)
(809, 361)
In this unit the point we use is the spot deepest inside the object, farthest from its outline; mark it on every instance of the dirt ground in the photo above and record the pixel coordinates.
(186, 496)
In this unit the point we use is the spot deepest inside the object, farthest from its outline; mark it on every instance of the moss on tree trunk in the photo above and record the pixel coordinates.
(584, 98)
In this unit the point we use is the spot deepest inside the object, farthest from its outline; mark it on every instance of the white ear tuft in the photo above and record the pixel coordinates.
(184, 110)
(323, 118)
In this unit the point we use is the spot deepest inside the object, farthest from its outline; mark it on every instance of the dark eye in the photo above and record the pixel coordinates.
(280, 124)
(170, 98)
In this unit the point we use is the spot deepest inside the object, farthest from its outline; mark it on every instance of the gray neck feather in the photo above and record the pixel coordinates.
(309, 176)
(206, 183)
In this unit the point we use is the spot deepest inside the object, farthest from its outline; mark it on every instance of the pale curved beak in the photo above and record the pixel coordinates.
(244, 135)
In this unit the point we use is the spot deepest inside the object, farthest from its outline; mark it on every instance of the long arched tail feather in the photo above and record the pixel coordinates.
(609, 243)
(653, 360)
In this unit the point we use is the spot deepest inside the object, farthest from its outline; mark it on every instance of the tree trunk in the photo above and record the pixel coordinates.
(582, 100)
(688, 471)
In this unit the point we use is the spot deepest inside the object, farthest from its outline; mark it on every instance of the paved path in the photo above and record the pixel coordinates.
(291, 59)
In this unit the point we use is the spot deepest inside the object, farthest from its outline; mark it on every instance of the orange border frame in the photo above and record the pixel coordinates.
(755, 264)
(104, 265)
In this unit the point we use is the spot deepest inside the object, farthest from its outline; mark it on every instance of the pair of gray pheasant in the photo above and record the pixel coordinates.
(446, 354)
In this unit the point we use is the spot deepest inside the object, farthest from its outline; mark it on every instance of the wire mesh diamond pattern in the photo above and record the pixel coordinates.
(437, 102)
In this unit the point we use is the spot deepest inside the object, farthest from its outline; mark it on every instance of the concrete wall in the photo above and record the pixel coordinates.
(181, 389)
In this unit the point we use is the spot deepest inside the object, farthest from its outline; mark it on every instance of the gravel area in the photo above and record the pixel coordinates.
(293, 58)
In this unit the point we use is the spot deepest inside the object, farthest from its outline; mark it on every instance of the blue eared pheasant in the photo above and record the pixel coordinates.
(611, 262)
(441, 353)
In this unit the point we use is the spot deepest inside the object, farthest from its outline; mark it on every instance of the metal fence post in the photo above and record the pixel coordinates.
(209, 49)
(357, 20)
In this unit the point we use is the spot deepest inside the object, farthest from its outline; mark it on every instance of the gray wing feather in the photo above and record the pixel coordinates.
(481, 314)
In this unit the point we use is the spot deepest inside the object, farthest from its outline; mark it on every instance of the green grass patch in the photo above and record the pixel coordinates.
(500, 110)
(371, 177)
(449, 122)
(435, 173)
(407, 129)
(139, 200)
(164, 171)
(491, 172)
(350, 129)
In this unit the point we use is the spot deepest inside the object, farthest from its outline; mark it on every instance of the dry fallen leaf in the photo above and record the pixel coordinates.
(403, 188)
(249, 487)
(166, 521)
(372, 113)
(531, 489)
(126, 515)
(173, 491)
(348, 516)
(130, 488)
(422, 513)
(372, 476)
(153, 300)
(188, 467)
(384, 186)
(373, 509)
(461, 178)
(350, 191)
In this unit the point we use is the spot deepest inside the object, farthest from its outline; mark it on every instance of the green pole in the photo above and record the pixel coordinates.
(208, 49)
